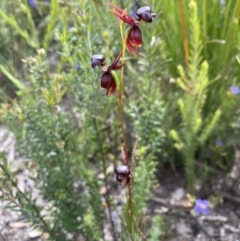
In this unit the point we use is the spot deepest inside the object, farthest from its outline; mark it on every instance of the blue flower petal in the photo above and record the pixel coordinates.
(235, 89)
(219, 143)
(32, 3)
(201, 206)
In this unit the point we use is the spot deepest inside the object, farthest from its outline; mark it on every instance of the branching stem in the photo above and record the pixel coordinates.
(36, 215)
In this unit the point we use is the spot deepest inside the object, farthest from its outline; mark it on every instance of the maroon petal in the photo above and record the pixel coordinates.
(118, 66)
(114, 65)
(135, 36)
(117, 9)
(107, 82)
(111, 89)
(131, 49)
(134, 39)
(128, 180)
(120, 13)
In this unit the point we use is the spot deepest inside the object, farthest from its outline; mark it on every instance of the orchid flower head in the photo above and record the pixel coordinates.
(134, 34)
(107, 79)
(97, 59)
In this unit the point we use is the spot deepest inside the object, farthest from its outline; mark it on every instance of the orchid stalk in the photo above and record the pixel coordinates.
(110, 81)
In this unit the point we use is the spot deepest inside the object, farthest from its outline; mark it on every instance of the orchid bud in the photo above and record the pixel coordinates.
(97, 59)
(122, 171)
(145, 14)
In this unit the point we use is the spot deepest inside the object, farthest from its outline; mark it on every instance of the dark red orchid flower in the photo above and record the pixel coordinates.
(123, 174)
(107, 79)
(134, 37)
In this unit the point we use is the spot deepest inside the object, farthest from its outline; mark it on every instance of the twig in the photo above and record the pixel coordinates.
(28, 200)
(210, 168)
(230, 197)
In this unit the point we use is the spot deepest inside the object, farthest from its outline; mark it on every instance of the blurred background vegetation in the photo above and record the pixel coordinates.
(181, 97)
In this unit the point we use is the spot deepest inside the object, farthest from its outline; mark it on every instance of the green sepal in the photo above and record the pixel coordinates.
(116, 80)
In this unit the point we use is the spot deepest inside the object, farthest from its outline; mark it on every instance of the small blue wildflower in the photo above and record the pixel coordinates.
(219, 143)
(201, 206)
(235, 89)
(32, 3)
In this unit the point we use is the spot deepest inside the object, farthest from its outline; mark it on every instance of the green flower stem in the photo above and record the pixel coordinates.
(11, 21)
(232, 30)
(119, 93)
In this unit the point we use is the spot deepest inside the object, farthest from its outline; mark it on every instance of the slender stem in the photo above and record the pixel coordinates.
(232, 30)
(205, 37)
(184, 31)
(122, 121)
(226, 16)
(230, 33)
(120, 107)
